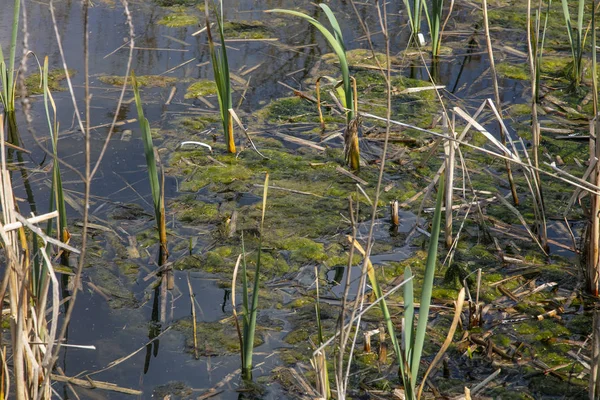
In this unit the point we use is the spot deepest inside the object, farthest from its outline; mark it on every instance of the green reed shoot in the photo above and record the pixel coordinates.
(57, 186)
(57, 199)
(221, 73)
(151, 162)
(336, 41)
(435, 25)
(409, 356)
(415, 339)
(249, 307)
(576, 39)
(7, 72)
(414, 8)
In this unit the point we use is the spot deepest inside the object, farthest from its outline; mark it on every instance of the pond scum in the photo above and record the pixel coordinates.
(506, 196)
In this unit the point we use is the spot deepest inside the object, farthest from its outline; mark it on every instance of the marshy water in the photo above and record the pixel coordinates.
(307, 215)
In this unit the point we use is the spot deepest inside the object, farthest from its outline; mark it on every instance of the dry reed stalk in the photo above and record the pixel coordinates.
(593, 237)
(594, 384)
(195, 331)
(533, 39)
(490, 50)
(32, 364)
(14, 273)
(450, 152)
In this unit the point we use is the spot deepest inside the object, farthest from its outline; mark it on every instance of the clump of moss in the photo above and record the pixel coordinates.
(143, 80)
(196, 211)
(298, 336)
(55, 78)
(194, 124)
(214, 338)
(128, 267)
(216, 174)
(179, 18)
(507, 70)
(178, 389)
(111, 284)
(290, 109)
(246, 30)
(303, 249)
(360, 57)
(203, 87)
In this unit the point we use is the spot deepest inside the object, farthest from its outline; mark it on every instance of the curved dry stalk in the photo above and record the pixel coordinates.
(457, 313)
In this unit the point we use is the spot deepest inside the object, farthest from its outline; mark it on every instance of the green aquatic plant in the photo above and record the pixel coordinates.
(410, 350)
(7, 71)
(576, 40)
(249, 307)
(336, 41)
(152, 163)
(57, 199)
(414, 338)
(221, 74)
(414, 9)
(434, 20)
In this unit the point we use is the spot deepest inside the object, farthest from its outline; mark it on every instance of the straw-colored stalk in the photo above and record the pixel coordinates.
(594, 384)
(320, 357)
(395, 213)
(534, 44)
(593, 239)
(28, 311)
(486, 25)
(450, 152)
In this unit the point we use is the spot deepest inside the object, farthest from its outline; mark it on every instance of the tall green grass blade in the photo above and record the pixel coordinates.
(409, 313)
(580, 39)
(150, 161)
(411, 22)
(10, 83)
(576, 40)
(250, 328)
(435, 25)
(339, 51)
(427, 289)
(337, 31)
(57, 185)
(3, 79)
(245, 310)
(220, 66)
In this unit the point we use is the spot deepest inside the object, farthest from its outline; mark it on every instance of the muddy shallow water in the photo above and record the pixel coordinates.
(121, 316)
